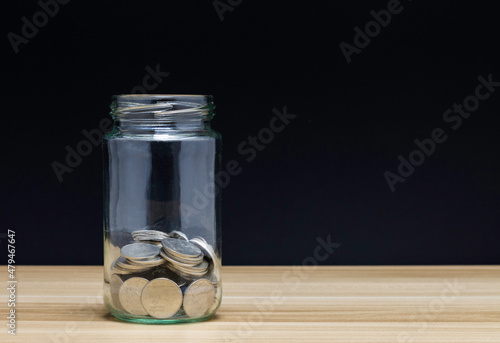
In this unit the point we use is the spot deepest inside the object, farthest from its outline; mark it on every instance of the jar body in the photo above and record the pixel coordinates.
(162, 239)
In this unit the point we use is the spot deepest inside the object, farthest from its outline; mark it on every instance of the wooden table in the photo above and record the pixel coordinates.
(276, 304)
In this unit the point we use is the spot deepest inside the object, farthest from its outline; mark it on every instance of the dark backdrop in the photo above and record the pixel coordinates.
(321, 178)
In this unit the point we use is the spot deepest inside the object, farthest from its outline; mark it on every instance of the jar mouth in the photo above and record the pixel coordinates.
(162, 106)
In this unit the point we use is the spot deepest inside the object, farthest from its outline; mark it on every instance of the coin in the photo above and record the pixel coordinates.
(180, 247)
(139, 251)
(166, 273)
(149, 262)
(130, 296)
(200, 238)
(177, 261)
(146, 238)
(206, 248)
(178, 235)
(115, 268)
(203, 266)
(156, 243)
(161, 298)
(149, 236)
(188, 267)
(126, 265)
(115, 283)
(150, 232)
(200, 268)
(156, 267)
(198, 298)
(209, 252)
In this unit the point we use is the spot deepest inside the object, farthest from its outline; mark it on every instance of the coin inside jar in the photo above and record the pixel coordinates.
(148, 262)
(153, 237)
(115, 283)
(161, 298)
(130, 296)
(198, 298)
(178, 235)
(149, 232)
(209, 252)
(140, 251)
(206, 248)
(180, 247)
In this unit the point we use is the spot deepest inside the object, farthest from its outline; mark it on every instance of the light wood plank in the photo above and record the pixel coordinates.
(279, 304)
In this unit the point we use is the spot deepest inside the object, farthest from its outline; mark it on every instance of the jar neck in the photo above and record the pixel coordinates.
(145, 113)
(128, 126)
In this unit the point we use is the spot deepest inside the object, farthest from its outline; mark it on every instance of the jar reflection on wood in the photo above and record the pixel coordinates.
(162, 238)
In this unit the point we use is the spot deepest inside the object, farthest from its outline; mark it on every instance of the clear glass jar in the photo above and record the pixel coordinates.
(162, 233)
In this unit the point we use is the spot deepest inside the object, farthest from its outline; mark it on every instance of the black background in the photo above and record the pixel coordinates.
(323, 175)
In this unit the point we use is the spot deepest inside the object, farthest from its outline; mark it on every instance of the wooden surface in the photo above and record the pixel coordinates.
(276, 304)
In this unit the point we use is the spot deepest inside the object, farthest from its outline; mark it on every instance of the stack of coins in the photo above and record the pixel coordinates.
(149, 236)
(184, 258)
(136, 258)
(165, 275)
(155, 237)
(208, 251)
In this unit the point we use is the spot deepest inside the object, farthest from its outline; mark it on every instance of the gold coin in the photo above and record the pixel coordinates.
(161, 298)
(130, 296)
(198, 298)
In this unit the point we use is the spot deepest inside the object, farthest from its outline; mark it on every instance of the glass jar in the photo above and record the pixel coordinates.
(162, 234)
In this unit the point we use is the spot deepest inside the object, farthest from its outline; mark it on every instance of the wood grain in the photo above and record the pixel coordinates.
(276, 304)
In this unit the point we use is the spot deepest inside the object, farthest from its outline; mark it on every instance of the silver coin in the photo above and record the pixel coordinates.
(149, 262)
(131, 269)
(201, 266)
(171, 260)
(178, 261)
(161, 298)
(198, 269)
(157, 243)
(138, 251)
(188, 259)
(206, 248)
(130, 296)
(124, 264)
(120, 271)
(115, 268)
(184, 258)
(200, 238)
(153, 235)
(180, 247)
(178, 235)
(149, 232)
(115, 282)
(198, 298)
(186, 274)
(190, 274)
(209, 252)
(149, 238)
(142, 235)
(127, 271)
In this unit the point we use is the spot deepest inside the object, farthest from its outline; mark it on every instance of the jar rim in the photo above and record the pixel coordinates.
(161, 106)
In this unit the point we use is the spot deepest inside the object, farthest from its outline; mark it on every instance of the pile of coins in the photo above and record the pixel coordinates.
(165, 274)
(149, 236)
(137, 257)
(184, 257)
